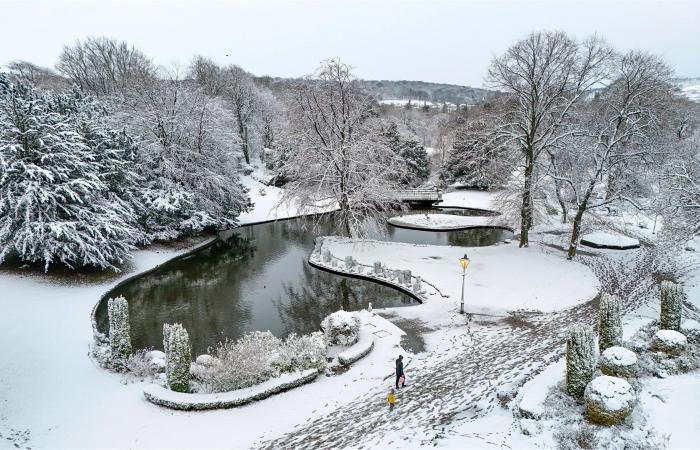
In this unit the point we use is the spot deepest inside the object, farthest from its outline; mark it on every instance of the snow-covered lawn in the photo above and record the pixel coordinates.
(446, 221)
(499, 278)
(469, 199)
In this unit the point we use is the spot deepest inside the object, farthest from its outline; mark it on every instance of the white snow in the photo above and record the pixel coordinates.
(466, 198)
(619, 356)
(534, 392)
(499, 278)
(612, 392)
(602, 238)
(672, 406)
(671, 337)
(690, 325)
(445, 221)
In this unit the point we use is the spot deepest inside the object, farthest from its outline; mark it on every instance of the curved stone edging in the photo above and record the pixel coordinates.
(160, 396)
(493, 212)
(356, 352)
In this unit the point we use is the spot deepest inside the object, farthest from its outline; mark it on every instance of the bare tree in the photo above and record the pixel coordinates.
(340, 157)
(37, 75)
(620, 124)
(104, 66)
(681, 187)
(544, 75)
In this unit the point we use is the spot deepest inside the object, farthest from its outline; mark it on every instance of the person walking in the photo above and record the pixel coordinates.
(391, 398)
(400, 376)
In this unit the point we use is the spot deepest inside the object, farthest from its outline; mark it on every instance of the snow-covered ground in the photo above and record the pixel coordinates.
(469, 199)
(499, 278)
(445, 221)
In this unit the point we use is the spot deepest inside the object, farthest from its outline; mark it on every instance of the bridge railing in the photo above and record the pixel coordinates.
(420, 195)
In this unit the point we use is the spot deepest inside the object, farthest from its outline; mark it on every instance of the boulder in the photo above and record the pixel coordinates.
(669, 341)
(618, 362)
(609, 400)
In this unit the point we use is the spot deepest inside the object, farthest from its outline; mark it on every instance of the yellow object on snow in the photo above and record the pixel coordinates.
(391, 398)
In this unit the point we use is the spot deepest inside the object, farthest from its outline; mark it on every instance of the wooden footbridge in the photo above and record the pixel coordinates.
(420, 195)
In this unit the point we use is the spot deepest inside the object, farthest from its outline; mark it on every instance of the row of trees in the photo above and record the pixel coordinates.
(583, 127)
(111, 151)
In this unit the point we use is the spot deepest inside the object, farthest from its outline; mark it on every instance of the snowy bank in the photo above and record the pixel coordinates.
(441, 222)
(187, 402)
(612, 241)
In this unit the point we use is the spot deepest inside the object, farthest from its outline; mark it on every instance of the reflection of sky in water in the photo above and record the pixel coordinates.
(259, 280)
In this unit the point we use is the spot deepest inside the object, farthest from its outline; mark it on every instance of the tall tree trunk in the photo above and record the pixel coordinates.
(243, 133)
(526, 207)
(576, 231)
(578, 219)
(562, 203)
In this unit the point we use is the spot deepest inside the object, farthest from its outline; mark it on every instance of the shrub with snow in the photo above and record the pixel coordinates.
(257, 357)
(580, 359)
(178, 357)
(417, 285)
(610, 322)
(669, 341)
(341, 328)
(609, 400)
(157, 359)
(618, 362)
(119, 331)
(302, 352)
(672, 297)
(378, 268)
(140, 364)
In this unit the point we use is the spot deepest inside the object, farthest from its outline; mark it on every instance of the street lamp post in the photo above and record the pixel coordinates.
(464, 262)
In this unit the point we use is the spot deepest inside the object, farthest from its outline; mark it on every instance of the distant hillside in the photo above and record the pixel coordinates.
(435, 93)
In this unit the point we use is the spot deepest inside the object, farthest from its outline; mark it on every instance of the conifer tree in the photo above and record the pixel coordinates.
(609, 322)
(119, 331)
(580, 359)
(672, 297)
(178, 357)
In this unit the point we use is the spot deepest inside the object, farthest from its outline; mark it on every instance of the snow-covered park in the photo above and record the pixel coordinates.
(200, 247)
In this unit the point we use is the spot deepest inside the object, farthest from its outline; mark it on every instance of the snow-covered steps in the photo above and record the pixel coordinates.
(611, 241)
(196, 402)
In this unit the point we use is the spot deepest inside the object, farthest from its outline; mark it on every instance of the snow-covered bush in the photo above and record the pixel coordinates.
(178, 357)
(377, 267)
(669, 341)
(157, 359)
(257, 357)
(618, 362)
(609, 400)
(580, 359)
(119, 331)
(672, 297)
(406, 277)
(302, 352)
(140, 364)
(609, 322)
(341, 328)
(661, 364)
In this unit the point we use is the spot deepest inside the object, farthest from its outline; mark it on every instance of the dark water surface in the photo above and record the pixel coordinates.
(259, 279)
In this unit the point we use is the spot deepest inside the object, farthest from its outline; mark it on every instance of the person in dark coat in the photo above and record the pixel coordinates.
(399, 372)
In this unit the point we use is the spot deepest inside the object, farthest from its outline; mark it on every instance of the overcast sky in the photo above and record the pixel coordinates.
(441, 41)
